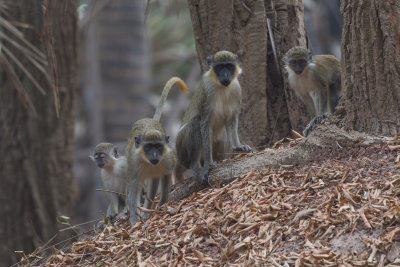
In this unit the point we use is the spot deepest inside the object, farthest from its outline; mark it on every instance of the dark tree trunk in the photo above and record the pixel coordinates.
(37, 183)
(371, 65)
(242, 28)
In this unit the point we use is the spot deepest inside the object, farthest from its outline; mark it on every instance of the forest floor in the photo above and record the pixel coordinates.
(339, 209)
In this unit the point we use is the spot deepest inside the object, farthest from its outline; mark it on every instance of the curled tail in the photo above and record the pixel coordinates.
(182, 86)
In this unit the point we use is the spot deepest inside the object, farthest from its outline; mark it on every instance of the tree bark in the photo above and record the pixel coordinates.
(37, 183)
(241, 27)
(371, 65)
(286, 111)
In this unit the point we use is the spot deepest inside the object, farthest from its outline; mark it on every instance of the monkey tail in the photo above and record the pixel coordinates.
(182, 86)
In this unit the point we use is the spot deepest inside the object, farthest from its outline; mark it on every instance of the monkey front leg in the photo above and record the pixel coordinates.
(113, 206)
(314, 121)
(165, 183)
(133, 191)
(151, 191)
(233, 135)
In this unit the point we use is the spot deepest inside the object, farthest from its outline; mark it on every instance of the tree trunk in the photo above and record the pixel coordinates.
(124, 66)
(37, 183)
(286, 111)
(371, 65)
(241, 27)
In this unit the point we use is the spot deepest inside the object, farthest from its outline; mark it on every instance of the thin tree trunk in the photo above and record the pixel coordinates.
(371, 65)
(37, 183)
(241, 27)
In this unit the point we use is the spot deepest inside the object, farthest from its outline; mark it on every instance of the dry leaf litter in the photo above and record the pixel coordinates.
(342, 210)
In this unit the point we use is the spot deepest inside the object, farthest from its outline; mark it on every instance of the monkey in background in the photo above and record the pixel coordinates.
(112, 174)
(209, 128)
(316, 80)
(149, 157)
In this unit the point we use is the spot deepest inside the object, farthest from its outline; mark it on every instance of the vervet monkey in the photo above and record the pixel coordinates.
(315, 79)
(149, 157)
(209, 128)
(112, 174)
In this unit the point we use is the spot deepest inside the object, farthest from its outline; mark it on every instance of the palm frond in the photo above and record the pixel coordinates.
(12, 39)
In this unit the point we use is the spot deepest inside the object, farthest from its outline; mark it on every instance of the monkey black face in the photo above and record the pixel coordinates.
(153, 150)
(225, 72)
(100, 158)
(298, 65)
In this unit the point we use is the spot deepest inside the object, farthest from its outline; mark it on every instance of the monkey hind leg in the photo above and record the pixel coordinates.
(165, 184)
(315, 120)
(179, 170)
(188, 148)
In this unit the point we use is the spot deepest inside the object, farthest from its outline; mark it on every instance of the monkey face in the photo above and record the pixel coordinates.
(100, 158)
(153, 151)
(298, 65)
(225, 72)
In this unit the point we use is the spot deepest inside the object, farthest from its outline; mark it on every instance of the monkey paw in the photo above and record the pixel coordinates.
(202, 174)
(242, 148)
(314, 121)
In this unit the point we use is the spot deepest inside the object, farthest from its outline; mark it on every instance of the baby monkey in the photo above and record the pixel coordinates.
(112, 174)
(316, 80)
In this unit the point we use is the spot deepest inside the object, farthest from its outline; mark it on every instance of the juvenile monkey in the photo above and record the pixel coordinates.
(149, 157)
(209, 128)
(113, 175)
(315, 79)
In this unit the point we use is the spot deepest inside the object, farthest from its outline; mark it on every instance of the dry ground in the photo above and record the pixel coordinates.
(339, 207)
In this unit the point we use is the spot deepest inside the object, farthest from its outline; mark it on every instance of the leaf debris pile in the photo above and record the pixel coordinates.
(338, 211)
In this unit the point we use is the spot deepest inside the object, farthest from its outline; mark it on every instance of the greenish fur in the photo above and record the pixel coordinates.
(140, 170)
(209, 127)
(224, 56)
(102, 147)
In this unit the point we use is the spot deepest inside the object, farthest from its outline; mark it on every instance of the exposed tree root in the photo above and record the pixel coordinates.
(300, 151)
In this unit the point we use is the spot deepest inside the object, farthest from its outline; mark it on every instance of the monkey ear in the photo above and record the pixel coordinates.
(115, 152)
(137, 141)
(236, 57)
(209, 60)
(309, 54)
(92, 158)
(166, 138)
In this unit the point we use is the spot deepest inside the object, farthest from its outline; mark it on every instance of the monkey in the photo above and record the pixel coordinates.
(315, 79)
(209, 128)
(149, 157)
(113, 175)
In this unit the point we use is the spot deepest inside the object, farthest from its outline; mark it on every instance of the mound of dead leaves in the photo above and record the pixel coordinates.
(340, 210)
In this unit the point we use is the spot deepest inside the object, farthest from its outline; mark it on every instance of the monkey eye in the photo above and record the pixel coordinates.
(300, 61)
(229, 66)
(158, 146)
